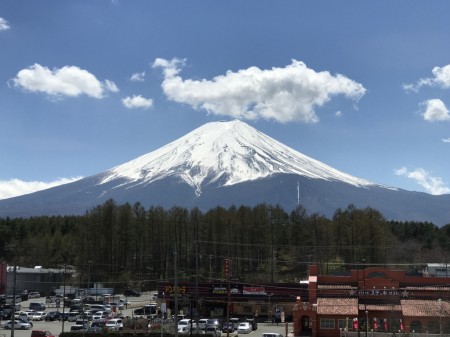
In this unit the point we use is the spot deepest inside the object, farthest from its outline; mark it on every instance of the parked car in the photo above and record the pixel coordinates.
(131, 293)
(17, 325)
(202, 322)
(52, 316)
(185, 322)
(94, 329)
(114, 324)
(117, 305)
(183, 330)
(41, 333)
(124, 302)
(38, 316)
(25, 315)
(25, 321)
(83, 323)
(271, 334)
(214, 322)
(235, 321)
(253, 323)
(34, 294)
(228, 327)
(6, 313)
(78, 328)
(212, 330)
(72, 316)
(98, 324)
(36, 306)
(88, 315)
(244, 327)
(148, 309)
(99, 315)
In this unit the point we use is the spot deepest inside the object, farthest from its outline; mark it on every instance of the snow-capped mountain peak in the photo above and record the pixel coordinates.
(225, 153)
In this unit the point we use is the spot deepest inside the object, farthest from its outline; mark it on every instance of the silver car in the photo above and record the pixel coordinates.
(17, 325)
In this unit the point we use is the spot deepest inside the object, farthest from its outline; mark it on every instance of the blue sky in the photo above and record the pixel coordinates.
(363, 86)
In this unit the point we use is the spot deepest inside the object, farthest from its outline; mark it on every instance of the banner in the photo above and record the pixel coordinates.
(355, 324)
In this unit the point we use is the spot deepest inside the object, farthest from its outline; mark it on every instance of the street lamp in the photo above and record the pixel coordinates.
(89, 277)
(440, 316)
(270, 308)
(367, 323)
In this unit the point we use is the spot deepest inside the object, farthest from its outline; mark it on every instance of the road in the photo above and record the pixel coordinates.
(135, 302)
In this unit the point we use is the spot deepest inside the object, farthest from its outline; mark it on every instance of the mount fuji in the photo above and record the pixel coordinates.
(229, 163)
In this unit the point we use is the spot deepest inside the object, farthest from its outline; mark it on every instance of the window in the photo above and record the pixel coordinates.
(342, 323)
(326, 323)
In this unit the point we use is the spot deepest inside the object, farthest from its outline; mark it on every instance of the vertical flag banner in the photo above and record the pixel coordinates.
(385, 325)
(355, 324)
(375, 324)
(402, 326)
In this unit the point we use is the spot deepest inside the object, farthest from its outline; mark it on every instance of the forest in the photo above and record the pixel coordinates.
(131, 246)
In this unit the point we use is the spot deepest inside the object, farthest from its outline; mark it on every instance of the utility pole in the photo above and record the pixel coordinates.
(196, 287)
(14, 297)
(176, 289)
(64, 298)
(89, 277)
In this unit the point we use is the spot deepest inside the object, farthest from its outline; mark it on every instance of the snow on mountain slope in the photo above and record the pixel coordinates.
(227, 153)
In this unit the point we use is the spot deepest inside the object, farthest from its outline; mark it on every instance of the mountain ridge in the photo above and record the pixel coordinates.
(225, 164)
(233, 151)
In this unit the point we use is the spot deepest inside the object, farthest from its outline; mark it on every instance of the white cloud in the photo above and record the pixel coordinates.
(137, 102)
(282, 94)
(338, 113)
(138, 77)
(3, 24)
(111, 86)
(15, 187)
(446, 140)
(441, 79)
(435, 111)
(66, 81)
(433, 185)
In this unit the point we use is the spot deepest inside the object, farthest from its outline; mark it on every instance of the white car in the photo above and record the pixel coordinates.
(38, 316)
(117, 305)
(114, 324)
(17, 325)
(244, 327)
(183, 329)
(72, 316)
(99, 315)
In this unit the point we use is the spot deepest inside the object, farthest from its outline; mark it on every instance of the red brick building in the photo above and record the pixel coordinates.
(370, 301)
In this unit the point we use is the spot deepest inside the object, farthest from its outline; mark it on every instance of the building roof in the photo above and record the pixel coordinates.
(412, 308)
(337, 306)
(425, 308)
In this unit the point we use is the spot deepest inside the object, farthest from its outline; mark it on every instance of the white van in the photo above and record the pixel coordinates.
(73, 316)
(97, 307)
(271, 334)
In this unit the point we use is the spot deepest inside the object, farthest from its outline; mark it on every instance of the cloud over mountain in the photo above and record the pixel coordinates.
(283, 94)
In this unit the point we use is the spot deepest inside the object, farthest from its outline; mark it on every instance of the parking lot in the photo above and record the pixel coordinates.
(56, 327)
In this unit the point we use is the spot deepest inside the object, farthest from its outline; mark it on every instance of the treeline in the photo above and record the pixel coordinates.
(129, 245)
